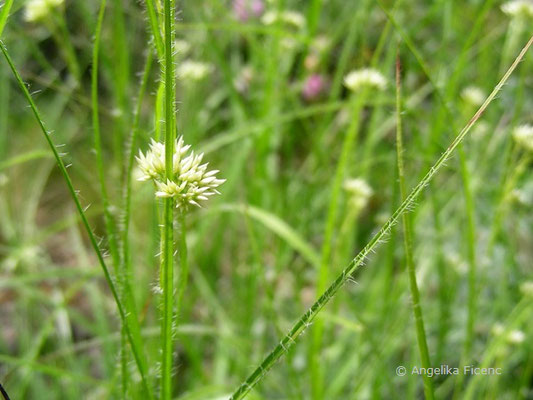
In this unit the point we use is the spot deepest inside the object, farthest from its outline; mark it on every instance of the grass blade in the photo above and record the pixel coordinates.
(280, 228)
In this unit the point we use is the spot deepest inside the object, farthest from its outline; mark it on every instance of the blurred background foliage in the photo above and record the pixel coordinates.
(260, 89)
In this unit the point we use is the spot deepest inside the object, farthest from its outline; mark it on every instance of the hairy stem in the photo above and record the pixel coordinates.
(167, 255)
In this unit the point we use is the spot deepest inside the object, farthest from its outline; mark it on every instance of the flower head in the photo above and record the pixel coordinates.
(38, 9)
(523, 135)
(190, 181)
(182, 47)
(359, 193)
(527, 288)
(516, 336)
(190, 70)
(291, 18)
(517, 8)
(369, 77)
(473, 95)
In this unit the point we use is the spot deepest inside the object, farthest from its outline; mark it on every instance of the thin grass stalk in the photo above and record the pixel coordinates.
(137, 351)
(443, 296)
(408, 245)
(154, 27)
(4, 15)
(465, 179)
(125, 258)
(64, 41)
(109, 222)
(167, 255)
(130, 157)
(183, 260)
(323, 272)
(306, 319)
(471, 252)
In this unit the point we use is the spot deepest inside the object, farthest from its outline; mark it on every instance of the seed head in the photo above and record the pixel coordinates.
(190, 182)
(357, 79)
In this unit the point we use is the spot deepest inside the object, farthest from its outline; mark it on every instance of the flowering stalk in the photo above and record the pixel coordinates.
(186, 184)
(167, 254)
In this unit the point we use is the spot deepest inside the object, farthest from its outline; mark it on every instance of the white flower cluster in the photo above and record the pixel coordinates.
(190, 70)
(38, 9)
(517, 8)
(523, 135)
(359, 193)
(292, 18)
(190, 182)
(357, 79)
(182, 47)
(527, 288)
(473, 95)
(514, 337)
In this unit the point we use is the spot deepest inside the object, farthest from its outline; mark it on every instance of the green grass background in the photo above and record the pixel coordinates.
(256, 252)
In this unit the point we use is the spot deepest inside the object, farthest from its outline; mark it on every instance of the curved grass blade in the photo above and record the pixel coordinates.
(279, 227)
(305, 321)
(136, 351)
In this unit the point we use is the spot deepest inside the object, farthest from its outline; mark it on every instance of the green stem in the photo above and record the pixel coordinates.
(408, 245)
(109, 222)
(167, 255)
(305, 320)
(184, 265)
(4, 15)
(471, 252)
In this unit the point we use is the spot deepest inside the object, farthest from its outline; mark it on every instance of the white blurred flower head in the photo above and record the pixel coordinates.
(473, 95)
(523, 135)
(527, 288)
(190, 70)
(38, 9)
(516, 336)
(190, 181)
(292, 18)
(359, 192)
(368, 77)
(182, 47)
(516, 8)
